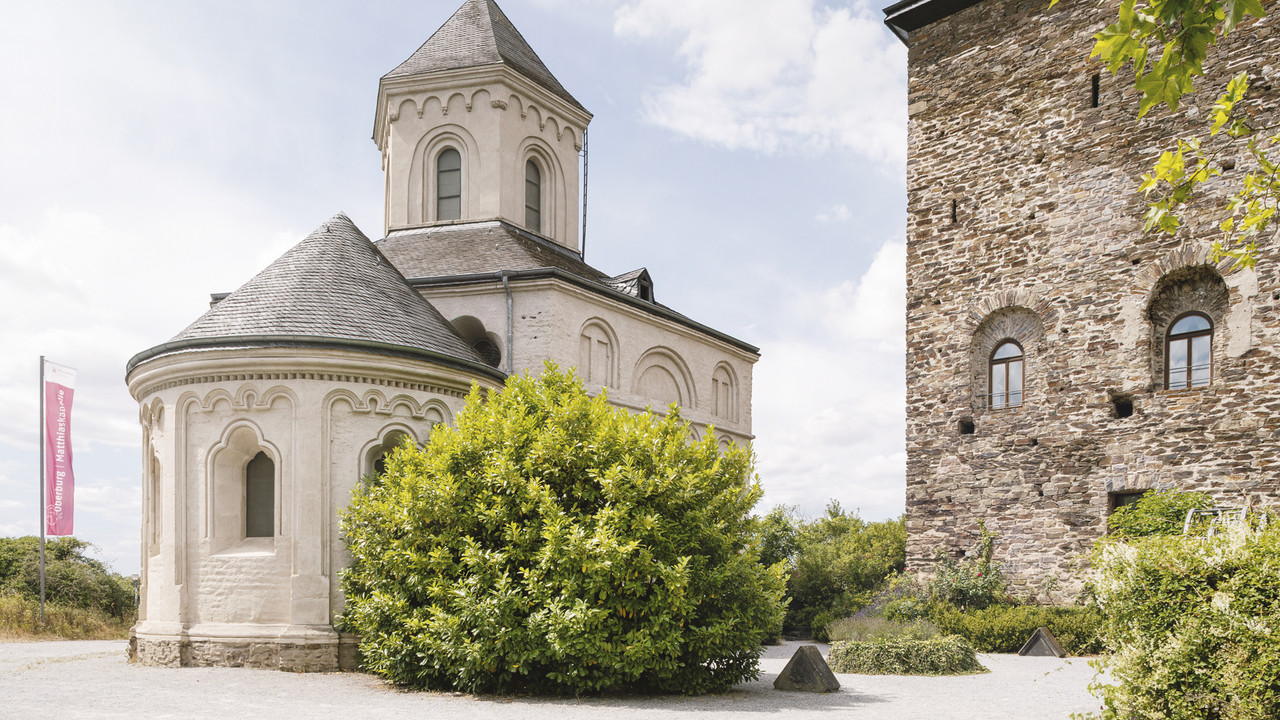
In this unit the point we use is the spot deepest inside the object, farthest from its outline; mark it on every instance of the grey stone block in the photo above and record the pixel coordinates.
(807, 672)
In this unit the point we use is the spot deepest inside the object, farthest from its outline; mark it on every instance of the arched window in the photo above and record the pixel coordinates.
(260, 497)
(449, 185)
(1006, 376)
(532, 196)
(1188, 350)
(724, 394)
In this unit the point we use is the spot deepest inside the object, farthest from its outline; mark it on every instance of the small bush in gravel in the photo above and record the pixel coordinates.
(552, 543)
(948, 655)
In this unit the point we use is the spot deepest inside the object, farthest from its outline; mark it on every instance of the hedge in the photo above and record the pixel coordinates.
(948, 655)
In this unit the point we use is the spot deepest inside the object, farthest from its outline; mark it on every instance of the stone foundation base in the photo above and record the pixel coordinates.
(262, 653)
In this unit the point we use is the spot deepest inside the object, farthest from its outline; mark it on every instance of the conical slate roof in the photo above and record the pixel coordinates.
(480, 34)
(335, 284)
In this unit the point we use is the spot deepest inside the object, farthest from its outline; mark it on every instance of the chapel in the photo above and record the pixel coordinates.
(1060, 361)
(260, 417)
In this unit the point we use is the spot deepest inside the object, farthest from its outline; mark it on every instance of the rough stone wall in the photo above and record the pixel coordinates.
(1024, 222)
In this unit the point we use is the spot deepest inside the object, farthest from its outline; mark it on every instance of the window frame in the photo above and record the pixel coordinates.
(439, 186)
(1003, 364)
(537, 193)
(1187, 337)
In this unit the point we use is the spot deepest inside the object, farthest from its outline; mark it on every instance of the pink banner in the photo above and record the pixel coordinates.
(59, 498)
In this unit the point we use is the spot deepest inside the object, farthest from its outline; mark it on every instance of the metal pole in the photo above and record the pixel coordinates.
(41, 483)
(586, 176)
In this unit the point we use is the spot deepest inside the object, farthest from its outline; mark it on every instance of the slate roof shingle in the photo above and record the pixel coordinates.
(478, 34)
(333, 284)
(475, 248)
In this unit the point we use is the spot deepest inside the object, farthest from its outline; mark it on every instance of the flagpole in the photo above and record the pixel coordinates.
(42, 509)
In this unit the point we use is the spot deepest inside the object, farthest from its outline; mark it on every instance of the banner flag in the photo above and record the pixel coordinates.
(59, 498)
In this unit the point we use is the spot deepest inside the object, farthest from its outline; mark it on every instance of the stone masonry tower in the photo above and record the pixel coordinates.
(1060, 362)
(474, 127)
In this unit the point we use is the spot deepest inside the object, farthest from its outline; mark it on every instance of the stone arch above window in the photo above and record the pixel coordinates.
(1015, 326)
(598, 354)
(243, 492)
(487, 344)
(433, 177)
(391, 437)
(724, 393)
(662, 378)
(1178, 299)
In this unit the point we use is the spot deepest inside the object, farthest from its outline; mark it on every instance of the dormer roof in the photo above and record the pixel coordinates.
(333, 288)
(480, 34)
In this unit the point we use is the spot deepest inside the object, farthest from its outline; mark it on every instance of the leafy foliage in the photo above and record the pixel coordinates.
(72, 578)
(1005, 629)
(20, 620)
(872, 628)
(1167, 43)
(1191, 624)
(1157, 512)
(972, 583)
(840, 561)
(552, 543)
(904, 656)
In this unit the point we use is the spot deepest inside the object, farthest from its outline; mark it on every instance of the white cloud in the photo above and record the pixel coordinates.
(835, 213)
(778, 75)
(830, 392)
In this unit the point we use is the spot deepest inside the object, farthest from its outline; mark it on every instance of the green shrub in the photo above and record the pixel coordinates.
(864, 629)
(1005, 629)
(1192, 624)
(72, 578)
(972, 583)
(552, 543)
(840, 561)
(1157, 512)
(902, 656)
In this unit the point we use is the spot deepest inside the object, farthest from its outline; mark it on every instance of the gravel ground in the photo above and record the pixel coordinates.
(70, 680)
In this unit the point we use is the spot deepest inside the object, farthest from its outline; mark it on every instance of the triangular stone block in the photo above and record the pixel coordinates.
(1043, 643)
(807, 672)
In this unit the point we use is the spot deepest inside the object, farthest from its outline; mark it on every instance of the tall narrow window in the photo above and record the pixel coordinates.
(449, 185)
(532, 196)
(1189, 352)
(260, 497)
(1006, 376)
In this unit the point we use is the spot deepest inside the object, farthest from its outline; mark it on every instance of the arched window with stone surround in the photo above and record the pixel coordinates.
(260, 497)
(449, 185)
(1006, 375)
(1189, 352)
(532, 196)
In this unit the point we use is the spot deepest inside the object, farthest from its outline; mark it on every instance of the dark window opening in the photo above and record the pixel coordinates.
(1117, 500)
(260, 497)
(380, 465)
(488, 352)
(1097, 88)
(966, 426)
(532, 197)
(1122, 406)
(954, 209)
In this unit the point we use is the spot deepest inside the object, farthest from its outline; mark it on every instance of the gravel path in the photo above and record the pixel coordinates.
(68, 680)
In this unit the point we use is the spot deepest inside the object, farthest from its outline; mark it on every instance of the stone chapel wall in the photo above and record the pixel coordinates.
(1024, 223)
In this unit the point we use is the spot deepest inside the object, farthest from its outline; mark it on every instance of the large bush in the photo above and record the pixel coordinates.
(1192, 624)
(552, 543)
(1157, 512)
(839, 562)
(72, 578)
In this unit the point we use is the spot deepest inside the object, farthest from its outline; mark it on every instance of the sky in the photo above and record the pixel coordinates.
(749, 153)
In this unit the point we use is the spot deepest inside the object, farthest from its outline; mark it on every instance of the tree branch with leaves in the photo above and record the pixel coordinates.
(1167, 43)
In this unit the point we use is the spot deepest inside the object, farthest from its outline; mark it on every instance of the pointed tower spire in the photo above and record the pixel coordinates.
(479, 33)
